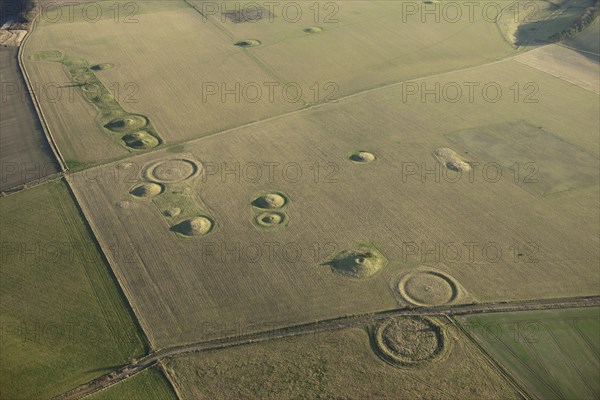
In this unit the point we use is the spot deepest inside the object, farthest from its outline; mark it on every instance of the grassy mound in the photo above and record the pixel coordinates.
(362, 157)
(270, 201)
(196, 226)
(173, 170)
(428, 288)
(127, 123)
(140, 140)
(172, 212)
(451, 160)
(102, 67)
(123, 204)
(409, 341)
(248, 43)
(271, 219)
(147, 190)
(312, 29)
(360, 262)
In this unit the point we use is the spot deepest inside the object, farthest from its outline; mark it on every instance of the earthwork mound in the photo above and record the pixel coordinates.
(248, 43)
(147, 190)
(362, 157)
(127, 123)
(140, 140)
(196, 226)
(428, 288)
(313, 29)
(172, 212)
(359, 262)
(269, 201)
(173, 170)
(409, 341)
(271, 219)
(451, 160)
(102, 67)
(248, 14)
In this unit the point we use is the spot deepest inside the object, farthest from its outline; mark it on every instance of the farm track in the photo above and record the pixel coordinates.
(322, 326)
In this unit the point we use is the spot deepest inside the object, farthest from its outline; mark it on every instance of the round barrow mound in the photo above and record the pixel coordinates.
(360, 262)
(269, 201)
(140, 140)
(312, 29)
(102, 67)
(362, 157)
(428, 288)
(147, 190)
(127, 123)
(124, 204)
(409, 341)
(196, 226)
(173, 170)
(172, 212)
(271, 219)
(451, 160)
(248, 43)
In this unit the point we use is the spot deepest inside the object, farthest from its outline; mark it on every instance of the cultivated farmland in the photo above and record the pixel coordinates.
(555, 354)
(63, 320)
(293, 283)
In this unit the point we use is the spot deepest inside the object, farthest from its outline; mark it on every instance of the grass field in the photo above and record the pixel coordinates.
(24, 151)
(338, 364)
(555, 354)
(223, 278)
(63, 320)
(150, 384)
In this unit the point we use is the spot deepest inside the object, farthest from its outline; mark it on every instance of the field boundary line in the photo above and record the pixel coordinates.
(47, 132)
(161, 367)
(578, 50)
(562, 78)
